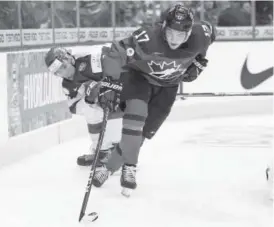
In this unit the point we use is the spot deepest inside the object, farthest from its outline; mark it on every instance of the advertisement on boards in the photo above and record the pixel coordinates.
(238, 33)
(66, 35)
(34, 37)
(122, 33)
(105, 34)
(35, 97)
(236, 67)
(95, 34)
(10, 38)
(37, 36)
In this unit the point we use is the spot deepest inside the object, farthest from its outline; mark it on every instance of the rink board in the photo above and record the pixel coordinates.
(28, 92)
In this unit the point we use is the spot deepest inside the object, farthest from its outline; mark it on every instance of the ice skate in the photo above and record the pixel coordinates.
(87, 159)
(128, 179)
(101, 175)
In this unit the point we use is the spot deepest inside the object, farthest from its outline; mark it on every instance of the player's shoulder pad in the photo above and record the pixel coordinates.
(83, 58)
(89, 67)
(82, 63)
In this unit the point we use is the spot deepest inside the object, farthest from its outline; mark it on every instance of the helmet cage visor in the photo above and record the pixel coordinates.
(59, 68)
(55, 66)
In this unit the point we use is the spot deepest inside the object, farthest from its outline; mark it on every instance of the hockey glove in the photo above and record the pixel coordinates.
(92, 92)
(195, 69)
(106, 93)
(109, 94)
(191, 74)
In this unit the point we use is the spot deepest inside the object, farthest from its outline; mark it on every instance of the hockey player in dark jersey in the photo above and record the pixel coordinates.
(158, 59)
(148, 67)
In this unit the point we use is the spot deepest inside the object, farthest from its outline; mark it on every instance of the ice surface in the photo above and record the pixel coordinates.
(203, 173)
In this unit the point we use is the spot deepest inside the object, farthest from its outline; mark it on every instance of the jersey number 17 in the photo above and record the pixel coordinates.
(142, 37)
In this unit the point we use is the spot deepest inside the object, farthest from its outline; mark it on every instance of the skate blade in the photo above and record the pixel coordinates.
(127, 192)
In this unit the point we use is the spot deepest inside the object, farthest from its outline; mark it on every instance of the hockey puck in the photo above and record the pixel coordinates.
(93, 216)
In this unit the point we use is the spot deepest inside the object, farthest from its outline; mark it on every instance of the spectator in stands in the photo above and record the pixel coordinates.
(195, 6)
(149, 10)
(95, 14)
(211, 12)
(8, 15)
(126, 14)
(36, 14)
(222, 5)
(141, 13)
(234, 16)
(132, 14)
(65, 14)
(246, 7)
(264, 12)
(158, 10)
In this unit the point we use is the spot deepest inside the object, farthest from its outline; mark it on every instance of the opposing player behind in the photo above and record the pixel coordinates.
(82, 78)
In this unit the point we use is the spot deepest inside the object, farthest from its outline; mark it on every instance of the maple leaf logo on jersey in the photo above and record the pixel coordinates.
(163, 69)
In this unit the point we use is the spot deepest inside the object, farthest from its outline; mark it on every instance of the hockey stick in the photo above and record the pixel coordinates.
(221, 94)
(93, 216)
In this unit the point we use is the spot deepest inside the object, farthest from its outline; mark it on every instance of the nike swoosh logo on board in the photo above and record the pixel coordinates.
(251, 80)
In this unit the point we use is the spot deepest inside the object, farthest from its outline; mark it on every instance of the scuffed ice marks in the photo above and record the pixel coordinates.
(233, 136)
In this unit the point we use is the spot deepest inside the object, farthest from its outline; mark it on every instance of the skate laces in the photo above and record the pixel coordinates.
(101, 173)
(129, 173)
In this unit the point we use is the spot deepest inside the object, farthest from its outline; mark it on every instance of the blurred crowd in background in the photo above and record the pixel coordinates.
(64, 14)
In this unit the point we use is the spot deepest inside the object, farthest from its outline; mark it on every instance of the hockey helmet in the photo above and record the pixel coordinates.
(177, 26)
(179, 18)
(60, 62)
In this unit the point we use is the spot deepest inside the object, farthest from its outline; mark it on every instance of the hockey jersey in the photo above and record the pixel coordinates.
(149, 53)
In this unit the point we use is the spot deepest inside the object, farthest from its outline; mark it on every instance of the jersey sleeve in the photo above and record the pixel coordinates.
(208, 35)
(74, 93)
(138, 41)
(210, 30)
(131, 40)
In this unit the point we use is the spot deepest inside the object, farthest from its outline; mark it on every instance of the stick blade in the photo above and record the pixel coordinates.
(88, 218)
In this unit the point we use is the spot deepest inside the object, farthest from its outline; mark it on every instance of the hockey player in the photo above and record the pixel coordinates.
(158, 59)
(141, 35)
(86, 95)
(140, 76)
